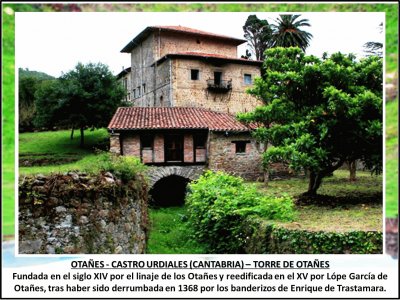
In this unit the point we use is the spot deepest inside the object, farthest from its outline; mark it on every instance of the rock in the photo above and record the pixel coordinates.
(38, 182)
(67, 222)
(50, 249)
(103, 224)
(103, 213)
(74, 176)
(52, 201)
(109, 180)
(40, 177)
(83, 220)
(30, 246)
(75, 203)
(118, 250)
(60, 209)
(69, 249)
(109, 175)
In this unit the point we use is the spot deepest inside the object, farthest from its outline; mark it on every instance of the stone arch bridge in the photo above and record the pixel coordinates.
(188, 172)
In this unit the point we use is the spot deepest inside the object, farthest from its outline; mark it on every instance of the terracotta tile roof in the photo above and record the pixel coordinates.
(131, 118)
(205, 56)
(183, 29)
(178, 29)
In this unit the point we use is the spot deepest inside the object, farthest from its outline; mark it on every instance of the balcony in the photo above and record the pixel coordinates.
(219, 86)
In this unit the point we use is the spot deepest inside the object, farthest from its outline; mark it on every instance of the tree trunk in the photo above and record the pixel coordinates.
(82, 137)
(266, 176)
(72, 133)
(265, 169)
(353, 170)
(314, 183)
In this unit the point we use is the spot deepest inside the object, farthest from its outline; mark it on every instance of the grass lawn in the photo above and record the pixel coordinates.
(169, 233)
(54, 151)
(345, 206)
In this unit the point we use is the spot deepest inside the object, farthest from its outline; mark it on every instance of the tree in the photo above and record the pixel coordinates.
(258, 35)
(287, 32)
(374, 48)
(84, 97)
(319, 112)
(28, 84)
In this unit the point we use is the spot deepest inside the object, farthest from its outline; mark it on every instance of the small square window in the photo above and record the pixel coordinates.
(240, 146)
(248, 79)
(194, 74)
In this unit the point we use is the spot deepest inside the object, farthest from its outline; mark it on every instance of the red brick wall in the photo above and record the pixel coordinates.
(147, 156)
(200, 155)
(131, 145)
(159, 148)
(188, 148)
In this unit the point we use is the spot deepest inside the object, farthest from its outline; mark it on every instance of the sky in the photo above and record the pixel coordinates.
(54, 42)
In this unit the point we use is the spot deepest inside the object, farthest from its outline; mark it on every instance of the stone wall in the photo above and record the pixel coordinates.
(142, 56)
(188, 172)
(194, 93)
(115, 145)
(178, 43)
(76, 213)
(222, 155)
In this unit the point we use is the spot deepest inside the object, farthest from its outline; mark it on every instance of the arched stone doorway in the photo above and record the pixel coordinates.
(169, 191)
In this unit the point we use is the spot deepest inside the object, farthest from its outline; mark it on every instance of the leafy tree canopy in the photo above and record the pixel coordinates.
(319, 113)
(258, 34)
(28, 83)
(286, 32)
(85, 96)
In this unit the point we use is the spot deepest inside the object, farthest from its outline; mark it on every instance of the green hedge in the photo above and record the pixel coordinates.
(264, 237)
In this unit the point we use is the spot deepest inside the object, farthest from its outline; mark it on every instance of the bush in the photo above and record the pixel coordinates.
(266, 237)
(219, 203)
(123, 167)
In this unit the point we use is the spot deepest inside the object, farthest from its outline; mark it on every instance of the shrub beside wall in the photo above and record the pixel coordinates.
(264, 237)
(80, 213)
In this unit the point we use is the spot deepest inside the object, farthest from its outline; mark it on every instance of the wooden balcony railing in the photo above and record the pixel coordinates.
(222, 86)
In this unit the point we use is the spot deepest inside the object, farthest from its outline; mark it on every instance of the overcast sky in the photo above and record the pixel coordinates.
(55, 42)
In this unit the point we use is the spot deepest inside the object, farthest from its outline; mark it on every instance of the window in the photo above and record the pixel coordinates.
(240, 146)
(247, 79)
(144, 88)
(146, 141)
(125, 83)
(200, 140)
(194, 74)
(138, 91)
(134, 93)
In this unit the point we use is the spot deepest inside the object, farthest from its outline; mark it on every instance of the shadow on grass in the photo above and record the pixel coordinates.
(335, 201)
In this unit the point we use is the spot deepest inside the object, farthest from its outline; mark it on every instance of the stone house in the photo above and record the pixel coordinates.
(192, 138)
(124, 77)
(186, 86)
(175, 66)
